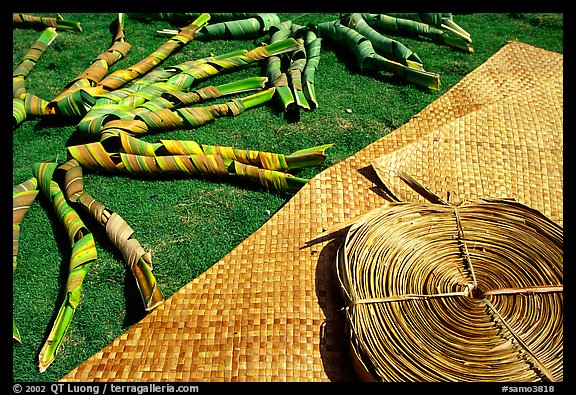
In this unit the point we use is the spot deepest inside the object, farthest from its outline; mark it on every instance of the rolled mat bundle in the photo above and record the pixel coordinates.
(443, 292)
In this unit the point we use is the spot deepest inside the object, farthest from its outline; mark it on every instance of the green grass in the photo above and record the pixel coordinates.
(191, 223)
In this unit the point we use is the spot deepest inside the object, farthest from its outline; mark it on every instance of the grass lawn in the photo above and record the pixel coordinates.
(189, 224)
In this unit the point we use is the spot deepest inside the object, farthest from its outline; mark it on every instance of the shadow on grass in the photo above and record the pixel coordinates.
(54, 122)
(134, 308)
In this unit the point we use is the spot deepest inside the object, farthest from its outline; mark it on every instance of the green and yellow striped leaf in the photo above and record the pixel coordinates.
(73, 101)
(434, 19)
(119, 232)
(448, 32)
(313, 156)
(440, 20)
(313, 45)
(28, 104)
(30, 59)
(37, 22)
(185, 157)
(181, 78)
(184, 118)
(278, 77)
(244, 28)
(23, 195)
(385, 46)
(298, 61)
(368, 59)
(120, 78)
(18, 111)
(201, 71)
(93, 156)
(82, 256)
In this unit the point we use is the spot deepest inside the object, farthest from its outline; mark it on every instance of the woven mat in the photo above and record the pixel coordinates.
(270, 310)
(510, 148)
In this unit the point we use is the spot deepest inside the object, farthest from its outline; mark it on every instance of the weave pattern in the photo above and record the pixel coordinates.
(270, 310)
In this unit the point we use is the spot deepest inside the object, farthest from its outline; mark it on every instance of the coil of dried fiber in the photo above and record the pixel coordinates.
(442, 292)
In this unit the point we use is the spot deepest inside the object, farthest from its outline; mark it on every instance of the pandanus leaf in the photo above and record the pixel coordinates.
(177, 98)
(100, 114)
(137, 93)
(119, 78)
(244, 28)
(30, 59)
(433, 19)
(187, 17)
(189, 73)
(93, 156)
(368, 59)
(82, 256)
(312, 44)
(37, 22)
(75, 102)
(385, 46)
(18, 111)
(298, 60)
(124, 153)
(182, 77)
(119, 232)
(274, 72)
(186, 117)
(23, 195)
(448, 32)
(441, 20)
(267, 160)
(28, 104)
(194, 72)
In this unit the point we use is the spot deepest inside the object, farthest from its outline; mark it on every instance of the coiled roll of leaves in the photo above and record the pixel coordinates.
(439, 292)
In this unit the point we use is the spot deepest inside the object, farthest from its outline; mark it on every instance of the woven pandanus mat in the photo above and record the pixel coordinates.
(271, 309)
(509, 148)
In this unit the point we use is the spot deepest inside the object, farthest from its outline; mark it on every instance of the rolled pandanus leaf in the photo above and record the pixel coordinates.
(441, 20)
(126, 154)
(278, 77)
(172, 81)
(100, 114)
(119, 232)
(28, 104)
(191, 73)
(385, 46)
(82, 256)
(18, 111)
(312, 43)
(75, 102)
(114, 104)
(184, 118)
(367, 57)
(242, 28)
(23, 195)
(119, 78)
(36, 50)
(441, 29)
(95, 157)
(177, 98)
(37, 22)
(296, 66)
(267, 160)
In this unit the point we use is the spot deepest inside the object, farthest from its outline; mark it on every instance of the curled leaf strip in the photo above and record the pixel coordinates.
(82, 255)
(119, 232)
